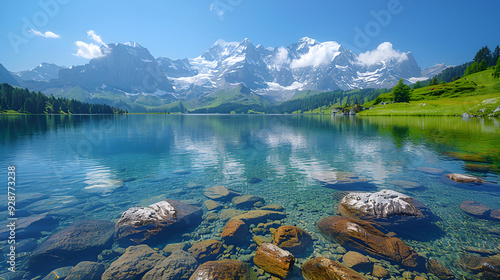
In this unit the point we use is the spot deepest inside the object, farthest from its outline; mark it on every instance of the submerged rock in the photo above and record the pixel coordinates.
(219, 193)
(142, 224)
(293, 239)
(133, 264)
(172, 247)
(464, 178)
(322, 268)
(86, 271)
(31, 226)
(355, 260)
(339, 179)
(274, 260)
(380, 272)
(179, 265)
(58, 273)
(363, 236)
(273, 207)
(246, 201)
(212, 205)
(439, 270)
(224, 269)
(475, 209)
(481, 267)
(83, 240)
(234, 232)
(206, 250)
(259, 216)
(384, 206)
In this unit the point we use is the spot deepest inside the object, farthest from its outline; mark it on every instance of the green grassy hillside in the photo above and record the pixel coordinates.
(476, 94)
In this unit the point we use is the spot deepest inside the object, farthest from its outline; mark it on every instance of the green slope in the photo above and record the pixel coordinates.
(476, 94)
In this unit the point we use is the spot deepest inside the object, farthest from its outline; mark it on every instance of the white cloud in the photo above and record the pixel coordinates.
(90, 51)
(47, 34)
(91, 34)
(383, 52)
(318, 55)
(281, 57)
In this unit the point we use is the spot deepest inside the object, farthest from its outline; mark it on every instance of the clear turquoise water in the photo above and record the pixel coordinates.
(78, 161)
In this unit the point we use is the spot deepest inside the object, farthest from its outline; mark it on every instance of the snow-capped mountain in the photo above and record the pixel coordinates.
(125, 67)
(432, 71)
(42, 73)
(305, 65)
(274, 72)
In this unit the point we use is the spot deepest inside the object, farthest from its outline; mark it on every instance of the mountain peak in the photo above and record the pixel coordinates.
(308, 41)
(133, 44)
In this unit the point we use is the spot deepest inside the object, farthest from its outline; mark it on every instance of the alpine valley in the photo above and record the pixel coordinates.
(129, 77)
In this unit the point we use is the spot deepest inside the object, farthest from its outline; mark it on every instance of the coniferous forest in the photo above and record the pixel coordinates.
(30, 102)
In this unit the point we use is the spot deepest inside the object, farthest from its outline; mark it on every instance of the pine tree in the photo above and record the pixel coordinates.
(495, 56)
(496, 73)
(401, 92)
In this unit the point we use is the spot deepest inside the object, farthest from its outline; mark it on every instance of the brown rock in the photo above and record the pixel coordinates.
(224, 269)
(434, 267)
(259, 216)
(474, 208)
(482, 267)
(293, 239)
(259, 240)
(86, 271)
(246, 201)
(159, 220)
(362, 235)
(274, 260)
(495, 214)
(464, 178)
(172, 247)
(207, 250)
(133, 264)
(355, 260)
(380, 272)
(226, 214)
(273, 207)
(324, 269)
(219, 193)
(179, 265)
(418, 277)
(212, 205)
(83, 240)
(235, 232)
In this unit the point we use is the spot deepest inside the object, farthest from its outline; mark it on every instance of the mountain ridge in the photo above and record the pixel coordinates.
(277, 73)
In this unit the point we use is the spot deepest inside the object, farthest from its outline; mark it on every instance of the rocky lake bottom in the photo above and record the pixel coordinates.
(289, 205)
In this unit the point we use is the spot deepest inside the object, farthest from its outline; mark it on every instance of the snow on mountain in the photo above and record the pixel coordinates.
(432, 71)
(41, 73)
(274, 71)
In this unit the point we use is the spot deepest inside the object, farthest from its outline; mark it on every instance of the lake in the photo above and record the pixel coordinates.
(97, 167)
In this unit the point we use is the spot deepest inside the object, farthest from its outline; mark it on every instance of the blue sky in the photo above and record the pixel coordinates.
(434, 31)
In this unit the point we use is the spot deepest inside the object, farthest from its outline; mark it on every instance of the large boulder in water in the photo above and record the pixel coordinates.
(361, 235)
(291, 238)
(31, 226)
(142, 224)
(274, 260)
(224, 269)
(322, 268)
(475, 209)
(83, 240)
(386, 206)
(219, 193)
(464, 178)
